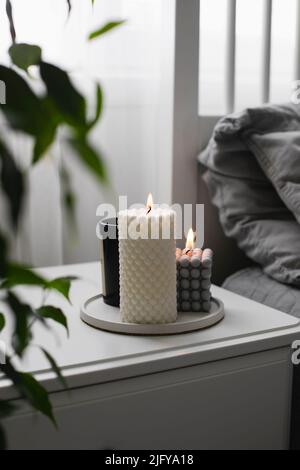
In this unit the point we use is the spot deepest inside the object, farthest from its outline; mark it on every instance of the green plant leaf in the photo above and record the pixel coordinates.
(29, 389)
(43, 141)
(2, 325)
(7, 408)
(12, 183)
(28, 113)
(37, 395)
(99, 107)
(70, 103)
(105, 29)
(46, 136)
(18, 274)
(89, 157)
(68, 196)
(53, 313)
(3, 256)
(69, 199)
(62, 285)
(23, 109)
(25, 55)
(9, 13)
(22, 334)
(55, 367)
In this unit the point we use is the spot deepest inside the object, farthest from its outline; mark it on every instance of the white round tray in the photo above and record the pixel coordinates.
(96, 313)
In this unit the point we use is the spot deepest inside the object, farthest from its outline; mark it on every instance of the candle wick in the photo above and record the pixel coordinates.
(149, 210)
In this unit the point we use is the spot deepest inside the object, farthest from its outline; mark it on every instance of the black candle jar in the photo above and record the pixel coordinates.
(109, 257)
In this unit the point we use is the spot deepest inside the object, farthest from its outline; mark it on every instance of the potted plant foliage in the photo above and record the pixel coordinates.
(39, 116)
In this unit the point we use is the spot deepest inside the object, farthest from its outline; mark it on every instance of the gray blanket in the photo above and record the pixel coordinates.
(253, 174)
(255, 285)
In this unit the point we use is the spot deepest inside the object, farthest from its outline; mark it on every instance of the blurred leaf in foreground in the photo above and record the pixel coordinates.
(29, 389)
(105, 29)
(89, 158)
(12, 183)
(25, 55)
(55, 367)
(53, 313)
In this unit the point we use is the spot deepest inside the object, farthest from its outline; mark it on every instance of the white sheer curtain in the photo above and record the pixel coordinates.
(128, 64)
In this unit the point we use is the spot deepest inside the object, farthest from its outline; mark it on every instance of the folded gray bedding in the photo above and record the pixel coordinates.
(254, 284)
(253, 174)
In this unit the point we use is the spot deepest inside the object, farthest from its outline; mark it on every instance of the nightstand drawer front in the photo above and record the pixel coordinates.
(236, 403)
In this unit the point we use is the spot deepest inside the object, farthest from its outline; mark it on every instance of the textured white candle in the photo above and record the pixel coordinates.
(147, 266)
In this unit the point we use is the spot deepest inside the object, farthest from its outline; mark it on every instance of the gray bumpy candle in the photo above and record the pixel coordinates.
(194, 270)
(195, 295)
(186, 306)
(195, 284)
(185, 294)
(184, 273)
(184, 284)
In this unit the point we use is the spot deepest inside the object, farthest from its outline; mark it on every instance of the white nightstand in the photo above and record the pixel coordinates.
(225, 387)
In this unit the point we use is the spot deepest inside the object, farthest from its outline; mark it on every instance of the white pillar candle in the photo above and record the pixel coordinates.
(147, 266)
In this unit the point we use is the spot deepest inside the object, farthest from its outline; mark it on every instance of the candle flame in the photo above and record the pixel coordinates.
(190, 240)
(149, 202)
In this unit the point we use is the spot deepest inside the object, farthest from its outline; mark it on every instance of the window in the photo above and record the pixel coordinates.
(249, 60)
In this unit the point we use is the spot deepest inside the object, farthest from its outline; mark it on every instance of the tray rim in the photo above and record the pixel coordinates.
(164, 329)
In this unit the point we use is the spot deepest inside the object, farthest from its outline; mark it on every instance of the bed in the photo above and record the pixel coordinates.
(253, 283)
(249, 181)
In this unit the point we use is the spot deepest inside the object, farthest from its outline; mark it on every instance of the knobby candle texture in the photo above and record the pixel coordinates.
(147, 265)
(194, 269)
